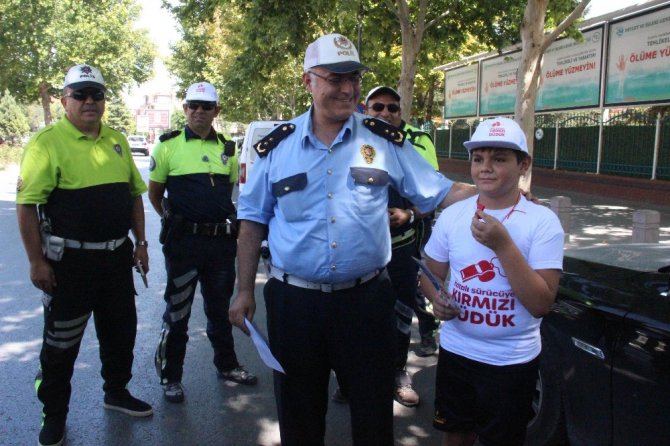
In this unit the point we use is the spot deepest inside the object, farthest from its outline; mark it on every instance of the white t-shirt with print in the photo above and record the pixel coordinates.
(493, 327)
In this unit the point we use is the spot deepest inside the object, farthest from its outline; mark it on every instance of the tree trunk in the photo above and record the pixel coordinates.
(45, 99)
(528, 74)
(411, 44)
(533, 45)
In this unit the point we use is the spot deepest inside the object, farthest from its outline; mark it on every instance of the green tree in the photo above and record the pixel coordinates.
(119, 117)
(49, 36)
(253, 50)
(177, 119)
(13, 121)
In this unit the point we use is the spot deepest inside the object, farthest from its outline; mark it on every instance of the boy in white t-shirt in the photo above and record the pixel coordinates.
(503, 255)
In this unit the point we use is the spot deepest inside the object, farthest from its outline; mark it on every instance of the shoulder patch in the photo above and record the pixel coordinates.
(170, 135)
(413, 135)
(385, 130)
(272, 139)
(229, 145)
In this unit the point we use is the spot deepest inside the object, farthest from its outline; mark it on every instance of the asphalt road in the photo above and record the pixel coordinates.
(214, 412)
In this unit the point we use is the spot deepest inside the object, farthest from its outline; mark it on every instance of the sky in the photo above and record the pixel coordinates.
(163, 31)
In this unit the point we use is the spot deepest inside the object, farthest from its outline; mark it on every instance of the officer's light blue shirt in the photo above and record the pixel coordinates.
(326, 207)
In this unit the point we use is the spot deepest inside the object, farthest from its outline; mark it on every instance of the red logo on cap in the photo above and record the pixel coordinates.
(200, 88)
(496, 129)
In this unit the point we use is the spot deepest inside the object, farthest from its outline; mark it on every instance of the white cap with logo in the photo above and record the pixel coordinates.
(84, 76)
(381, 89)
(335, 53)
(202, 91)
(498, 132)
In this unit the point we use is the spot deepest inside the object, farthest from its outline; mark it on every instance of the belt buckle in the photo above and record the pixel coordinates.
(326, 287)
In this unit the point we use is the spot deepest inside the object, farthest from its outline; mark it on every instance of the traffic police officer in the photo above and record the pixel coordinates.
(198, 168)
(320, 187)
(81, 175)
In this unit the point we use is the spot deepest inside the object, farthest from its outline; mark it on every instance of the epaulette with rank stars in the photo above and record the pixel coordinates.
(265, 145)
(385, 130)
(170, 135)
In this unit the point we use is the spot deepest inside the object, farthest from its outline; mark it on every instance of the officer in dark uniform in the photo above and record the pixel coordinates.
(198, 168)
(81, 175)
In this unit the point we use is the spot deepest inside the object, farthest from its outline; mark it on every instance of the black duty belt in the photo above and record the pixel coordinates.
(208, 229)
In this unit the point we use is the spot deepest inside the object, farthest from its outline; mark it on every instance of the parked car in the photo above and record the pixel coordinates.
(256, 131)
(138, 144)
(605, 365)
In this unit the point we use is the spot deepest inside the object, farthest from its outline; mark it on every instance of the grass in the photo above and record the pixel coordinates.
(9, 154)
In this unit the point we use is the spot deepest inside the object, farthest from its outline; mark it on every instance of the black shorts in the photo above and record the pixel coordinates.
(495, 402)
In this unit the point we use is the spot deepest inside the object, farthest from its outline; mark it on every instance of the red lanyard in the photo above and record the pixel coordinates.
(481, 207)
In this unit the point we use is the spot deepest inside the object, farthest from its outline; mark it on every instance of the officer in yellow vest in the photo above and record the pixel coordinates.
(198, 168)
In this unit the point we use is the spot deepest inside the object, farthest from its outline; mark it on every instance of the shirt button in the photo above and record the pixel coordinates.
(330, 150)
(333, 245)
(333, 267)
(330, 195)
(332, 219)
(329, 171)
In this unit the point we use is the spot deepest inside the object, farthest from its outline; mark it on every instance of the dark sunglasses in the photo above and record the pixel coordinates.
(207, 106)
(80, 95)
(379, 107)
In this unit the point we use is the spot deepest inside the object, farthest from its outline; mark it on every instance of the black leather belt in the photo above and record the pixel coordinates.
(208, 229)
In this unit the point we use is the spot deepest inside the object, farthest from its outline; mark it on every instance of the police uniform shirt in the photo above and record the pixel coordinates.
(89, 185)
(326, 208)
(197, 174)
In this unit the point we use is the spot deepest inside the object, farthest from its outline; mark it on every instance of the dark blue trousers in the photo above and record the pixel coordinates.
(190, 259)
(89, 282)
(350, 331)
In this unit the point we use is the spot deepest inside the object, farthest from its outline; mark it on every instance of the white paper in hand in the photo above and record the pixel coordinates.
(263, 348)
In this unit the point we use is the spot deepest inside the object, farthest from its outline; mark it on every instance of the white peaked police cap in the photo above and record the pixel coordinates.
(202, 91)
(84, 76)
(498, 132)
(333, 52)
(381, 89)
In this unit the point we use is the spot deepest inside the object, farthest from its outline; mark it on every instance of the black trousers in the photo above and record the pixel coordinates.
(351, 332)
(402, 271)
(89, 281)
(190, 259)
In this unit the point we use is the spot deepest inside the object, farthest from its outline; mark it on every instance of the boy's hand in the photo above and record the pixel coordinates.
(488, 230)
(443, 310)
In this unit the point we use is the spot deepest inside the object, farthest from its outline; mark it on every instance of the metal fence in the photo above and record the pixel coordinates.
(628, 142)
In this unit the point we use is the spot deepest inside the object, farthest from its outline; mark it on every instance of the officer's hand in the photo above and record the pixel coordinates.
(141, 255)
(244, 306)
(529, 196)
(42, 275)
(398, 217)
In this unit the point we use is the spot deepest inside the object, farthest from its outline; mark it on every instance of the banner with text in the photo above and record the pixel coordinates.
(639, 59)
(497, 90)
(461, 92)
(571, 73)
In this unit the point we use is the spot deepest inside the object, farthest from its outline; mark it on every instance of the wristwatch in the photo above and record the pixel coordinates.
(411, 216)
(142, 243)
